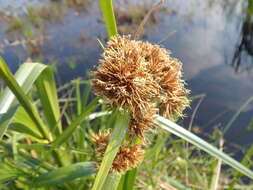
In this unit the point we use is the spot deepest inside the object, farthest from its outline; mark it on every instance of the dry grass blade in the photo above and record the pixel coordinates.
(166, 186)
(216, 176)
(140, 29)
(166, 37)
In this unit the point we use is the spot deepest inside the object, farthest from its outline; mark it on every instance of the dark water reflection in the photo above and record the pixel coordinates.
(213, 38)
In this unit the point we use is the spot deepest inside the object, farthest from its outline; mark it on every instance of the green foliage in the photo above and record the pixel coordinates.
(108, 14)
(65, 174)
(116, 139)
(23, 98)
(32, 149)
(63, 162)
(127, 181)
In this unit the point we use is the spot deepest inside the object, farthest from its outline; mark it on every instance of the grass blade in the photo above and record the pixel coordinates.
(49, 100)
(86, 94)
(11, 82)
(108, 14)
(22, 123)
(203, 145)
(25, 77)
(7, 172)
(245, 161)
(5, 119)
(227, 127)
(129, 179)
(71, 128)
(217, 170)
(78, 97)
(115, 142)
(65, 174)
(112, 181)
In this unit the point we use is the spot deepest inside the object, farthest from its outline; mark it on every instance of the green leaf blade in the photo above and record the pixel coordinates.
(115, 142)
(66, 174)
(108, 14)
(72, 127)
(203, 145)
(23, 99)
(26, 75)
(49, 100)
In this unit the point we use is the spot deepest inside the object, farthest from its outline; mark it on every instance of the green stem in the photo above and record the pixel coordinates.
(112, 181)
(115, 142)
(108, 14)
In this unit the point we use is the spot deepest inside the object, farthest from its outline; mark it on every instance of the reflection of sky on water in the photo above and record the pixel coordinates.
(16, 5)
(205, 39)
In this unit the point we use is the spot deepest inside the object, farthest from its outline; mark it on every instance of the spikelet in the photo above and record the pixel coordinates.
(127, 157)
(143, 78)
(122, 77)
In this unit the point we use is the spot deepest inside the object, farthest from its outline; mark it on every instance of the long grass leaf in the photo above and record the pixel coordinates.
(227, 127)
(65, 174)
(71, 128)
(108, 14)
(78, 97)
(6, 118)
(49, 100)
(22, 123)
(115, 142)
(130, 179)
(25, 76)
(86, 94)
(112, 181)
(203, 145)
(11, 82)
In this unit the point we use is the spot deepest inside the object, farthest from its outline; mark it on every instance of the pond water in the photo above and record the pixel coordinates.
(213, 38)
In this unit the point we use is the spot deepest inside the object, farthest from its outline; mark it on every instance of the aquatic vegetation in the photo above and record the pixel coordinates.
(78, 4)
(17, 25)
(130, 14)
(29, 27)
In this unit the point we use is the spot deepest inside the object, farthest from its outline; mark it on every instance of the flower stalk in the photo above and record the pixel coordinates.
(112, 148)
(139, 80)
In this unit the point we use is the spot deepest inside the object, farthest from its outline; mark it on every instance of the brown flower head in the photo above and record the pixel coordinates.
(127, 157)
(138, 125)
(122, 76)
(101, 140)
(167, 72)
(142, 78)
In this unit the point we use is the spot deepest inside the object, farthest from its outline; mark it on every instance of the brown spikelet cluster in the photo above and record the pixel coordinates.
(143, 79)
(122, 76)
(138, 125)
(127, 157)
(167, 73)
(101, 140)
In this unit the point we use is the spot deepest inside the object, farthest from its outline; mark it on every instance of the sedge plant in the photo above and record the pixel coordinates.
(143, 80)
(82, 142)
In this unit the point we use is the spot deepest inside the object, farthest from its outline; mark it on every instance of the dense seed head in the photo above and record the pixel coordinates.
(122, 76)
(127, 157)
(143, 78)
